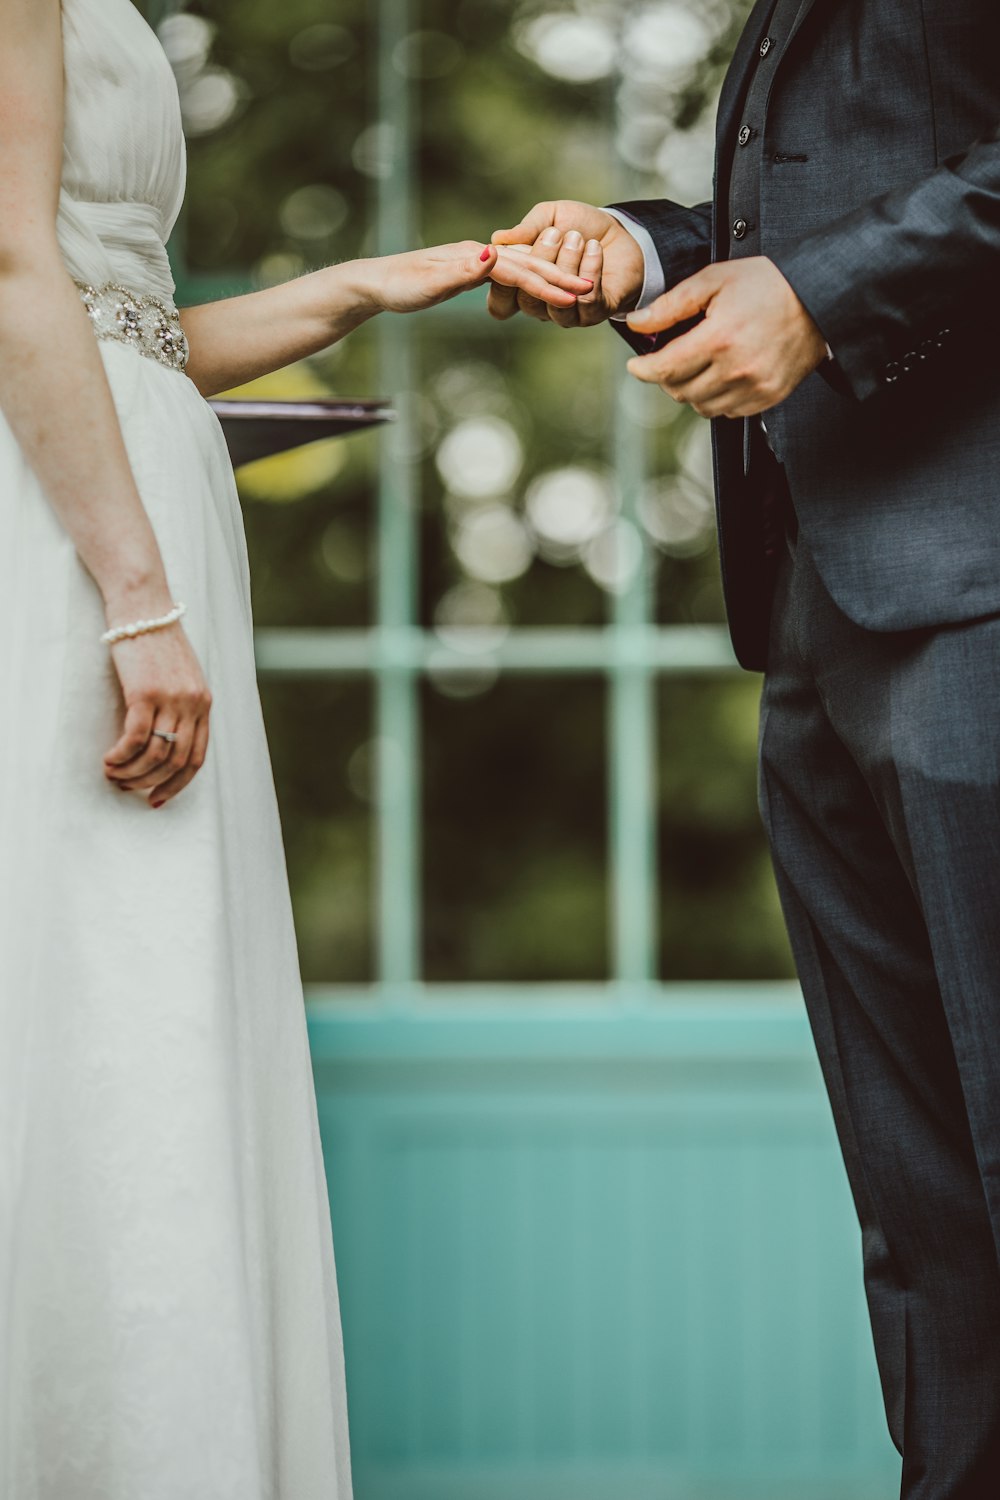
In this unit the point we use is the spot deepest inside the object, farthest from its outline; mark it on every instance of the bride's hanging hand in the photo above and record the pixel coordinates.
(421, 278)
(164, 690)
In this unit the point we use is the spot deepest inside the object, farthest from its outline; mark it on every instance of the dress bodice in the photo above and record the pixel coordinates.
(123, 167)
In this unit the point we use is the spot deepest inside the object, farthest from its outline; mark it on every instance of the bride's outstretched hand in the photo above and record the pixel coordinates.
(422, 278)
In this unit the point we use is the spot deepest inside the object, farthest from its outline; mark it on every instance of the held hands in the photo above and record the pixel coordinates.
(579, 239)
(755, 345)
(421, 278)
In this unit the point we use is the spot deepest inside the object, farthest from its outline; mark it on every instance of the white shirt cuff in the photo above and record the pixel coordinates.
(654, 282)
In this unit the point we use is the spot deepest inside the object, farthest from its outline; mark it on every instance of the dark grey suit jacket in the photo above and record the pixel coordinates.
(889, 232)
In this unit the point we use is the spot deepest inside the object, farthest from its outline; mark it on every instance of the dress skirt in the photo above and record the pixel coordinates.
(169, 1322)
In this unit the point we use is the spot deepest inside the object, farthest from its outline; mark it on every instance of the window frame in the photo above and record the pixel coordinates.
(630, 651)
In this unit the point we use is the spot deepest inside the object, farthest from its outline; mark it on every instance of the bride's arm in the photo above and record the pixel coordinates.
(234, 340)
(55, 396)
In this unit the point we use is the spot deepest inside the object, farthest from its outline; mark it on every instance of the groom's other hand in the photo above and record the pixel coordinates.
(584, 241)
(755, 344)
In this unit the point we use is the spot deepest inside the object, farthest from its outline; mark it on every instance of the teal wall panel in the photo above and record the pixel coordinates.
(630, 1269)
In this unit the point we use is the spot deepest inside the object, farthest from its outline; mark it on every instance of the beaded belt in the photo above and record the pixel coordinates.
(150, 326)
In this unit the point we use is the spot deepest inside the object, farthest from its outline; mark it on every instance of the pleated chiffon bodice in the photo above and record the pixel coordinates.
(123, 172)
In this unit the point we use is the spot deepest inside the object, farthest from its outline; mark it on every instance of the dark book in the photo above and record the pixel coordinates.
(256, 429)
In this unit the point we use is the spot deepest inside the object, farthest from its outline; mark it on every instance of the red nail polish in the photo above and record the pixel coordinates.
(485, 255)
(156, 804)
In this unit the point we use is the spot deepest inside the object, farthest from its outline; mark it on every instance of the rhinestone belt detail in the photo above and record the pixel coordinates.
(151, 327)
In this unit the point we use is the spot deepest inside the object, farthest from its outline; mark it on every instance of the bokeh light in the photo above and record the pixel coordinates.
(471, 618)
(480, 456)
(579, 48)
(567, 508)
(493, 544)
(322, 46)
(614, 556)
(427, 54)
(313, 212)
(374, 150)
(210, 96)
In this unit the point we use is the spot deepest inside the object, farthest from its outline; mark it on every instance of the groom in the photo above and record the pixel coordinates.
(845, 283)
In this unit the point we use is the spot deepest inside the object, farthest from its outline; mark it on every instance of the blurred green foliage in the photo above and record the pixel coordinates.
(286, 154)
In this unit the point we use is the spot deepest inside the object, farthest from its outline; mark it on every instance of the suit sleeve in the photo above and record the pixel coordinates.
(887, 283)
(683, 241)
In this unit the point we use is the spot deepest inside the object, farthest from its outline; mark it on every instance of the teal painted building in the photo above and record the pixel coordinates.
(602, 1252)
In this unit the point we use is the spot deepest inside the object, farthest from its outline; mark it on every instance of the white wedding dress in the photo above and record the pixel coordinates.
(169, 1325)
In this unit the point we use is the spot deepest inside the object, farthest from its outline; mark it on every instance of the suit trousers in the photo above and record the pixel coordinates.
(879, 787)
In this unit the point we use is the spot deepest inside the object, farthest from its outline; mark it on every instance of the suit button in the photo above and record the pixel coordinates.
(740, 228)
(766, 46)
(744, 136)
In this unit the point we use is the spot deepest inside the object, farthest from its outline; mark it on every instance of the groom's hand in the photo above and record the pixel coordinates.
(582, 240)
(755, 344)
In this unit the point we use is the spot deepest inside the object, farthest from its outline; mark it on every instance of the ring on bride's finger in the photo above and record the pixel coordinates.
(168, 735)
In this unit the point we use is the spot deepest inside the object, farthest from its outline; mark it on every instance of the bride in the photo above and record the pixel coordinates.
(169, 1326)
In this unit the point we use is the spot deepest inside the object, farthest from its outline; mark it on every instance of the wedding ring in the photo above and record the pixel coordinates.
(168, 735)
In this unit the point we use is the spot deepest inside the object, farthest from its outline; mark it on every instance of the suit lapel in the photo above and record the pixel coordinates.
(804, 9)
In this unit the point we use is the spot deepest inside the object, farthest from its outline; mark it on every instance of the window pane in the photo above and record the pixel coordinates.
(309, 524)
(319, 735)
(719, 910)
(677, 510)
(515, 854)
(276, 100)
(502, 121)
(516, 483)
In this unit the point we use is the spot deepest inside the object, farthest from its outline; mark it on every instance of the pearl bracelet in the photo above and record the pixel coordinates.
(142, 627)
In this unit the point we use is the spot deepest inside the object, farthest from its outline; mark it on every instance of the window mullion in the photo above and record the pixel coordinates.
(397, 684)
(632, 792)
